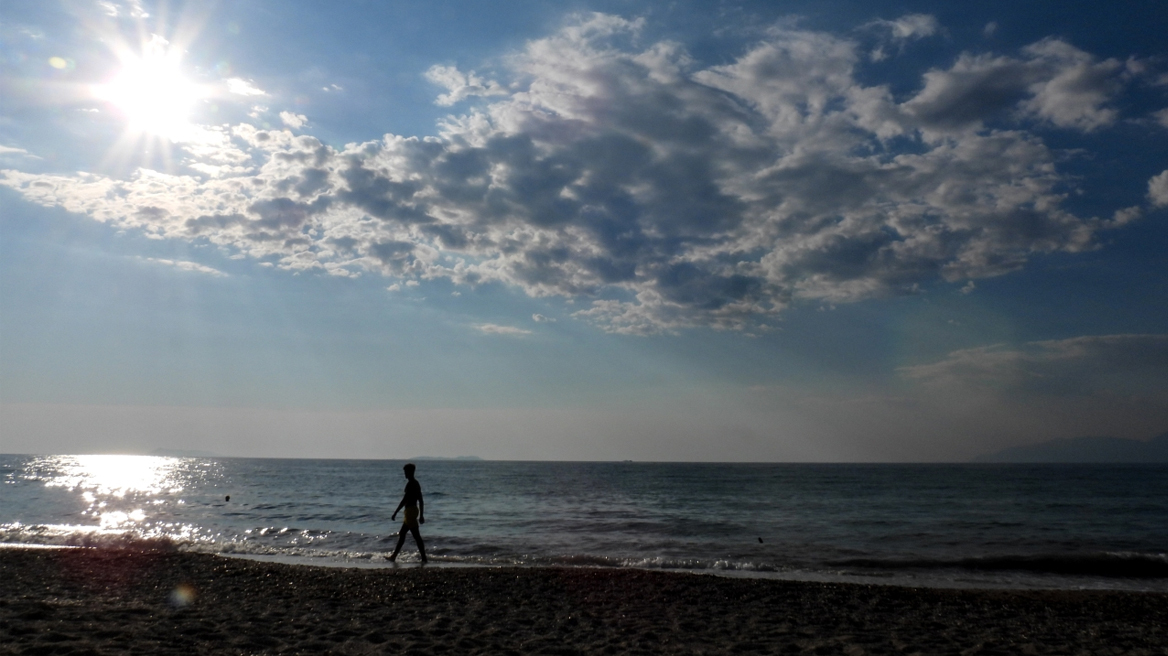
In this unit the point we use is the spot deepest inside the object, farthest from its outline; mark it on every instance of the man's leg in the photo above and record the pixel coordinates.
(418, 540)
(401, 539)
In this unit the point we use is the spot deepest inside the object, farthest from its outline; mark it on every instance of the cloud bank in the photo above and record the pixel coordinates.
(659, 193)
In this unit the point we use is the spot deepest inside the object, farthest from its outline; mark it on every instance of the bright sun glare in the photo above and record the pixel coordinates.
(151, 92)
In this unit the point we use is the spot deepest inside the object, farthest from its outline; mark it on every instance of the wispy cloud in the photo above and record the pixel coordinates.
(184, 265)
(495, 329)
(909, 26)
(130, 8)
(897, 33)
(1078, 365)
(12, 150)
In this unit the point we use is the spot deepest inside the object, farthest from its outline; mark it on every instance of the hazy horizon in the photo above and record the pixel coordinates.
(1091, 449)
(707, 232)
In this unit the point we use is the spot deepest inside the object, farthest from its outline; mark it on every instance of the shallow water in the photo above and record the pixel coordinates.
(1029, 526)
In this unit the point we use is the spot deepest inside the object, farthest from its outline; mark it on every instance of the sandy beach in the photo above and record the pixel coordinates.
(84, 601)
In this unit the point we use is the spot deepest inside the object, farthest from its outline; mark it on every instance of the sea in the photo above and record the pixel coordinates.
(937, 525)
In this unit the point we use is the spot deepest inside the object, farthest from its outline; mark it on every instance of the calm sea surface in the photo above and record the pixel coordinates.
(1060, 526)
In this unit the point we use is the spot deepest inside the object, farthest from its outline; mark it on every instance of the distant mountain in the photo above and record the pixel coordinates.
(446, 458)
(1085, 449)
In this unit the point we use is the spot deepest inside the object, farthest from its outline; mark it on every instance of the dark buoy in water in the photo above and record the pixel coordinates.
(759, 540)
(229, 499)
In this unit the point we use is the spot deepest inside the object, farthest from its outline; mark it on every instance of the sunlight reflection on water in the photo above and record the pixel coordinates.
(102, 478)
(128, 495)
(114, 475)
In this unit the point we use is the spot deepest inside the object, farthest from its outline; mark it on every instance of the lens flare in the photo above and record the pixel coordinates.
(183, 595)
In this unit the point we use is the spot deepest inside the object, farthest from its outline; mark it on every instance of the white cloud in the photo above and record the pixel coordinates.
(184, 265)
(1078, 88)
(294, 121)
(1052, 81)
(1125, 215)
(1158, 189)
(1162, 117)
(539, 318)
(242, 87)
(461, 85)
(494, 329)
(665, 194)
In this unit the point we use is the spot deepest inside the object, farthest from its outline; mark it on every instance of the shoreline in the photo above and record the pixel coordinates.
(957, 579)
(111, 601)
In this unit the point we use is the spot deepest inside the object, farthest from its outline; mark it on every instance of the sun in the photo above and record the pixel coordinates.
(151, 92)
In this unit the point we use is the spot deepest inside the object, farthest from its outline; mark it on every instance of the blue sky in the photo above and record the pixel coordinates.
(833, 231)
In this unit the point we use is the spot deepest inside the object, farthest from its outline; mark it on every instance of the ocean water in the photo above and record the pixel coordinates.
(1020, 526)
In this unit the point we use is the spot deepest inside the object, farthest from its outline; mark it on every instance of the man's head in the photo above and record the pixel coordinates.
(409, 469)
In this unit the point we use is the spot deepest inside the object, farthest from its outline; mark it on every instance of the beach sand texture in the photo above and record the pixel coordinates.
(85, 601)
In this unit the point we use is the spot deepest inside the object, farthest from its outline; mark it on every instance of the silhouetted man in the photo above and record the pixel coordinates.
(415, 511)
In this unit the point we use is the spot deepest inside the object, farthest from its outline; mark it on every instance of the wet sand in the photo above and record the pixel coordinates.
(84, 601)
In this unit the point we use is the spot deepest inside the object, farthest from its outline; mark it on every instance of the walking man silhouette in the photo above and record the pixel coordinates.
(415, 514)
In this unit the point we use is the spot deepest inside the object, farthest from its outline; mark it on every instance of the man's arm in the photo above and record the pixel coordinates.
(398, 509)
(421, 507)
